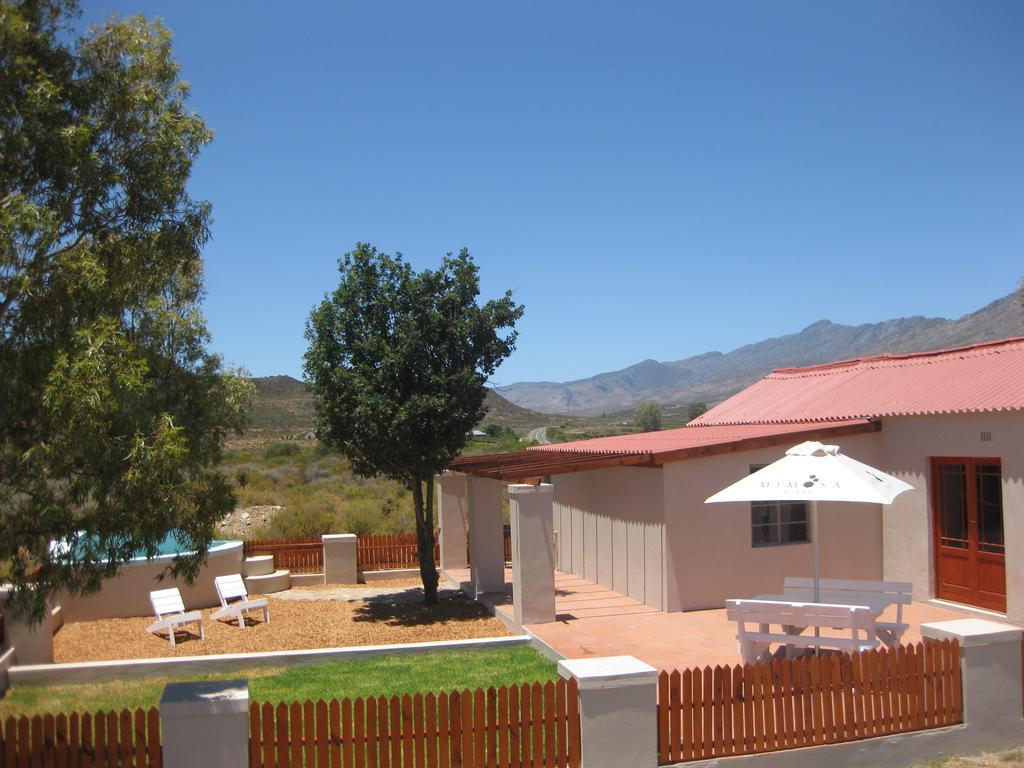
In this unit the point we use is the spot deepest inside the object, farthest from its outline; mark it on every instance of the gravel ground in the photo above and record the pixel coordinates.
(294, 625)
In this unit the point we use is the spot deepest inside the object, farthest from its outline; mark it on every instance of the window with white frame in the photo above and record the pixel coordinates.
(774, 523)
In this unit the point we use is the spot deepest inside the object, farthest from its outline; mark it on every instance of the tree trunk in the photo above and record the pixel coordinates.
(424, 508)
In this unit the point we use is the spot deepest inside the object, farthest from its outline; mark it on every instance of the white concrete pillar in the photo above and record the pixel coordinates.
(990, 659)
(486, 536)
(341, 560)
(32, 643)
(452, 512)
(205, 723)
(618, 711)
(533, 563)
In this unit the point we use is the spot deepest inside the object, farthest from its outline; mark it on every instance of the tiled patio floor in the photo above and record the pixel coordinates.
(592, 620)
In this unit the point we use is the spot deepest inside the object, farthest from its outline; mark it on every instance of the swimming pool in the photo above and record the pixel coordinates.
(170, 546)
(127, 594)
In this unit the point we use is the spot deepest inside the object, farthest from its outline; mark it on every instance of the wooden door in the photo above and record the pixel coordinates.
(970, 558)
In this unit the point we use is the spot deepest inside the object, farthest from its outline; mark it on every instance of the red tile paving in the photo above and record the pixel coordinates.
(592, 620)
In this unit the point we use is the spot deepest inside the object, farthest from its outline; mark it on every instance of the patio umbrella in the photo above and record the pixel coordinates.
(814, 472)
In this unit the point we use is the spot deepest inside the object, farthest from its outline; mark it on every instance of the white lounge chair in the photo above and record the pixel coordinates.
(232, 588)
(170, 613)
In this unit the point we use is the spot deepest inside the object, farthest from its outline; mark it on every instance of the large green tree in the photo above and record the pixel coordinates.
(648, 416)
(398, 362)
(112, 411)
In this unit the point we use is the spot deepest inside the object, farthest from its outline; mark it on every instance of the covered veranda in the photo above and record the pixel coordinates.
(576, 617)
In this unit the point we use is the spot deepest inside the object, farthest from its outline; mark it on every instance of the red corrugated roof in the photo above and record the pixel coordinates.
(983, 377)
(686, 438)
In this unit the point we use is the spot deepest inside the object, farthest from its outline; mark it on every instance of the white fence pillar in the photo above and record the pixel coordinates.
(451, 518)
(341, 559)
(533, 565)
(486, 536)
(205, 723)
(618, 711)
(990, 662)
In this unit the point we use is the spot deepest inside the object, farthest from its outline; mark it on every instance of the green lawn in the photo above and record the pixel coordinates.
(422, 673)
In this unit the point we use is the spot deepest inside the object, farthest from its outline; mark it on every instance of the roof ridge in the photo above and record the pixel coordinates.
(894, 356)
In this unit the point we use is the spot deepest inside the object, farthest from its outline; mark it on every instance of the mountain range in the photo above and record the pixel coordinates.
(714, 376)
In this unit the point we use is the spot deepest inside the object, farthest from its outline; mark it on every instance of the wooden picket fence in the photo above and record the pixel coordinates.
(126, 738)
(517, 726)
(384, 551)
(295, 555)
(805, 702)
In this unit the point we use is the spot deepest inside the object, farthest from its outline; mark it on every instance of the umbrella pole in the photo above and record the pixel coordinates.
(814, 544)
(814, 533)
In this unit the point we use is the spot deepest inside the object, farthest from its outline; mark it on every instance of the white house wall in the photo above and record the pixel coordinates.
(907, 444)
(709, 555)
(610, 528)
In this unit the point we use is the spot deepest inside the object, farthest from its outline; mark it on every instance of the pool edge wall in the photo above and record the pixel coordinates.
(127, 594)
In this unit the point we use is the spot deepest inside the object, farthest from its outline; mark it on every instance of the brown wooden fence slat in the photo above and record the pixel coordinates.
(818, 699)
(958, 699)
(340, 716)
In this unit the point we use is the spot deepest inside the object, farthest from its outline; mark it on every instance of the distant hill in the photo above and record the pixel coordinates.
(283, 406)
(713, 376)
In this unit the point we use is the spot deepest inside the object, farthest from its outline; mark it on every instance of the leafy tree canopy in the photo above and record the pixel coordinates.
(648, 416)
(398, 362)
(112, 411)
(695, 410)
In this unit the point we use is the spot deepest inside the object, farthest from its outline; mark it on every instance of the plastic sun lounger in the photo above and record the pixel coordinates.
(234, 599)
(170, 613)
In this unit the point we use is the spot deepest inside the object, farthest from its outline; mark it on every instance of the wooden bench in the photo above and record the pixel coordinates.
(842, 627)
(877, 594)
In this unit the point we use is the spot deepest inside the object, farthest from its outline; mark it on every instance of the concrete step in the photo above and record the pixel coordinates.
(305, 579)
(258, 565)
(264, 584)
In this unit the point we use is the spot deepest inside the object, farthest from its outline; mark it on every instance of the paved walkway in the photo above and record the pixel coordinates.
(591, 620)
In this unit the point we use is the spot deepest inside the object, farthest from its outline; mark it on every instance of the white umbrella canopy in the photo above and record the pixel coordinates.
(814, 472)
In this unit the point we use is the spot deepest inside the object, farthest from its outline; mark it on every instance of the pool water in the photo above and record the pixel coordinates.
(170, 545)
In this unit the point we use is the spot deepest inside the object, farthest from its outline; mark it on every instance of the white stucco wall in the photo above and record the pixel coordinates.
(906, 447)
(710, 557)
(127, 594)
(610, 528)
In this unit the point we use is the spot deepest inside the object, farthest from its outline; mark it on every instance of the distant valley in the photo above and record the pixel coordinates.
(714, 376)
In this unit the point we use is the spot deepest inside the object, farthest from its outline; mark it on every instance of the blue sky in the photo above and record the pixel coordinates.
(651, 179)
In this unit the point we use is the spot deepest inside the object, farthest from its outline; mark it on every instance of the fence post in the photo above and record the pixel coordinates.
(205, 723)
(618, 711)
(533, 563)
(340, 558)
(990, 663)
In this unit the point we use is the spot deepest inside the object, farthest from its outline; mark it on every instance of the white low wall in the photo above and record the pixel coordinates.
(104, 671)
(127, 594)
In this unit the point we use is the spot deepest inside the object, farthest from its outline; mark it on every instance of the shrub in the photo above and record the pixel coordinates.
(277, 450)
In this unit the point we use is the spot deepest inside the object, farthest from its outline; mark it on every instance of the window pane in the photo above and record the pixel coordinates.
(763, 514)
(953, 505)
(793, 513)
(990, 509)
(763, 535)
(793, 533)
